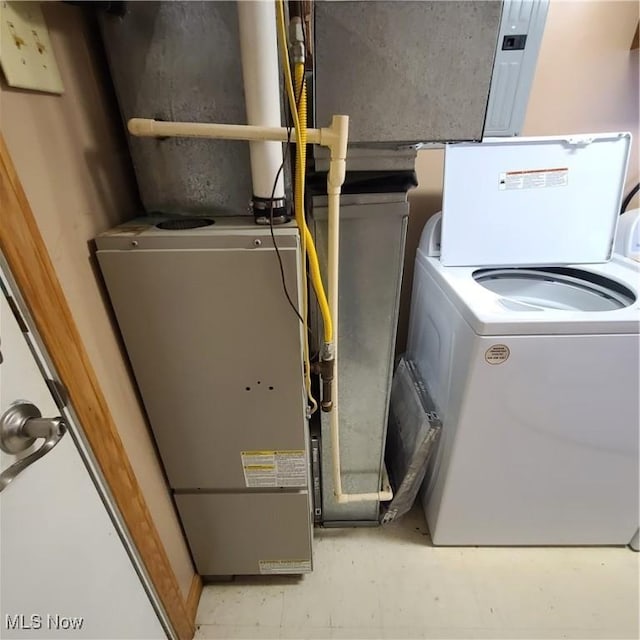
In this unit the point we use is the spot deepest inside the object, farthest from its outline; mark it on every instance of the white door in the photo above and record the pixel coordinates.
(64, 572)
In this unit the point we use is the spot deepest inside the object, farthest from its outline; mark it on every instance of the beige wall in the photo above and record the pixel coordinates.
(69, 154)
(587, 76)
(586, 81)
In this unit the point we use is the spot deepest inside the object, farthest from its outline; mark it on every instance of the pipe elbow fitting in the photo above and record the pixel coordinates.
(140, 127)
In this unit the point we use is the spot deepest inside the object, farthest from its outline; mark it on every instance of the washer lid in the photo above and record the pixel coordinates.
(555, 288)
(528, 201)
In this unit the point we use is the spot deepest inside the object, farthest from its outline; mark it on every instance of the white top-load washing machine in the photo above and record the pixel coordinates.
(525, 328)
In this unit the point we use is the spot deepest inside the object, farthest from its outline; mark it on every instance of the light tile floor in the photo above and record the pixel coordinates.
(391, 583)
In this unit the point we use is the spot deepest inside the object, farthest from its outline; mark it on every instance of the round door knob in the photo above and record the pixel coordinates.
(13, 438)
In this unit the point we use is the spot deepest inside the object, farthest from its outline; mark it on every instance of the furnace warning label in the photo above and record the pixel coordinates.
(284, 566)
(534, 179)
(274, 468)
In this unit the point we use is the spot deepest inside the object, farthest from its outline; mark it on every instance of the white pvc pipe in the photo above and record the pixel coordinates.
(333, 260)
(259, 52)
(147, 128)
(335, 179)
(334, 417)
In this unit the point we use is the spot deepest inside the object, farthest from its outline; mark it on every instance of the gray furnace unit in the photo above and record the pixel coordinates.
(216, 351)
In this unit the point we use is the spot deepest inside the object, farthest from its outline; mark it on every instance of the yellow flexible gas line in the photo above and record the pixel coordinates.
(301, 155)
(301, 137)
(300, 125)
(298, 210)
(301, 152)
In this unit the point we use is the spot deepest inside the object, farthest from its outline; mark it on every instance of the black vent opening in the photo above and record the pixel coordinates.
(182, 224)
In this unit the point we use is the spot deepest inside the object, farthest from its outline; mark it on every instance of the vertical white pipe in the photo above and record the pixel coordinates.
(335, 179)
(259, 50)
(333, 236)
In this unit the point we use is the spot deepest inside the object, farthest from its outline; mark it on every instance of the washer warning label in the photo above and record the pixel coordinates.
(497, 354)
(284, 566)
(534, 179)
(274, 468)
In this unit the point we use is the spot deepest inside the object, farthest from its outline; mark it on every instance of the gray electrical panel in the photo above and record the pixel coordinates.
(519, 42)
(217, 354)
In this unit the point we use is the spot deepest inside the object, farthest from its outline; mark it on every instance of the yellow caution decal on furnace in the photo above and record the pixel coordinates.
(274, 468)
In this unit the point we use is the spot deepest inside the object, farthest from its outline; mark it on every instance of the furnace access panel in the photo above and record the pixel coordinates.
(217, 354)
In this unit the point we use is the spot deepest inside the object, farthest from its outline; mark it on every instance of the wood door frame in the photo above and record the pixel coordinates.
(34, 274)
